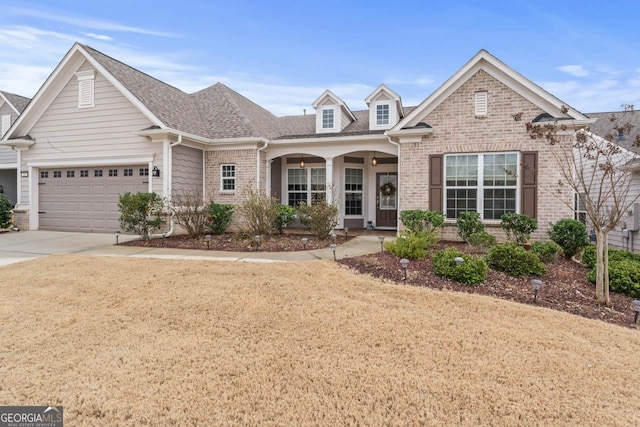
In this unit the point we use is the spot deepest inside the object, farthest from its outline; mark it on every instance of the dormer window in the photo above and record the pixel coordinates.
(382, 114)
(86, 81)
(327, 118)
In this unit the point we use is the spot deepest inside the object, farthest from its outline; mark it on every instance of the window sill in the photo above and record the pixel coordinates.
(487, 223)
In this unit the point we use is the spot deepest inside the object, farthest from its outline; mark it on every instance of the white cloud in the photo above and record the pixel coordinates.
(422, 81)
(98, 36)
(574, 70)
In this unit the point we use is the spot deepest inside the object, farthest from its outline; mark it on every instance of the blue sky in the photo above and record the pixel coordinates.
(284, 54)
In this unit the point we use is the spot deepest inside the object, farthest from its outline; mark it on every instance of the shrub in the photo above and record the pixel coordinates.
(589, 256)
(285, 216)
(518, 227)
(140, 213)
(473, 271)
(515, 260)
(546, 251)
(570, 235)
(419, 220)
(5, 211)
(414, 245)
(481, 242)
(469, 223)
(219, 217)
(188, 212)
(624, 277)
(320, 218)
(258, 213)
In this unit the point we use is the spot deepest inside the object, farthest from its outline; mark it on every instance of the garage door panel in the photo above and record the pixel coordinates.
(82, 201)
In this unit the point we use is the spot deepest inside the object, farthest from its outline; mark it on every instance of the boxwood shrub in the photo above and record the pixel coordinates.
(589, 256)
(624, 277)
(515, 260)
(546, 251)
(473, 271)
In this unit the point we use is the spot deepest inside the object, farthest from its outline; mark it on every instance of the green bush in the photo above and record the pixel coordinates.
(515, 260)
(624, 277)
(473, 271)
(286, 215)
(546, 251)
(468, 224)
(570, 235)
(481, 242)
(414, 245)
(258, 213)
(320, 218)
(219, 217)
(518, 227)
(589, 256)
(188, 212)
(140, 213)
(5, 211)
(419, 220)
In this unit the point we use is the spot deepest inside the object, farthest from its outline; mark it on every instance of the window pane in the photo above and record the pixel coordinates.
(462, 171)
(382, 114)
(497, 202)
(297, 186)
(460, 200)
(327, 119)
(353, 204)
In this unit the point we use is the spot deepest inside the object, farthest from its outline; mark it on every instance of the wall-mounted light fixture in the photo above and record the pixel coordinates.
(24, 174)
(155, 172)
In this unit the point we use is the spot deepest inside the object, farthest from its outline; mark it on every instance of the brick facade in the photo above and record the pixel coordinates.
(457, 130)
(21, 219)
(245, 162)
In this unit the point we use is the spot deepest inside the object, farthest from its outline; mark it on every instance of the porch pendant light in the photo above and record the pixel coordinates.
(302, 162)
(374, 161)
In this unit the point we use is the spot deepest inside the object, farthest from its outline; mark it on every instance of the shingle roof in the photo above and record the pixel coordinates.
(18, 102)
(603, 126)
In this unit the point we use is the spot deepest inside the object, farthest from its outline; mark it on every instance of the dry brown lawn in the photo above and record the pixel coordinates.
(121, 341)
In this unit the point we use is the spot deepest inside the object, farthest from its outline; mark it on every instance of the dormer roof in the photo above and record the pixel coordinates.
(327, 95)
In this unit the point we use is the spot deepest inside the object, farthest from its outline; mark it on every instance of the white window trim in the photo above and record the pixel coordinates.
(309, 191)
(6, 124)
(86, 88)
(223, 178)
(480, 186)
(354, 192)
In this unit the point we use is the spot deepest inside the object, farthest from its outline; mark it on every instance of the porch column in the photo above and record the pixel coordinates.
(268, 178)
(329, 178)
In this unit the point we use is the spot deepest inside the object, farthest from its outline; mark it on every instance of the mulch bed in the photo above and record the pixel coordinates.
(565, 285)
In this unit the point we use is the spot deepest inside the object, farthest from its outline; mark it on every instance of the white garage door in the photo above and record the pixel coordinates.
(86, 199)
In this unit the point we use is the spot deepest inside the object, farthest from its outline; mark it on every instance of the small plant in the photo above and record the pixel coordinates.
(469, 223)
(188, 212)
(481, 242)
(419, 220)
(570, 235)
(624, 277)
(286, 215)
(5, 211)
(258, 213)
(546, 251)
(472, 271)
(320, 218)
(219, 217)
(515, 260)
(140, 213)
(518, 227)
(414, 245)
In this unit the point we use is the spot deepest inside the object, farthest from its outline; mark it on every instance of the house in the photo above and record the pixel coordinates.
(98, 128)
(11, 106)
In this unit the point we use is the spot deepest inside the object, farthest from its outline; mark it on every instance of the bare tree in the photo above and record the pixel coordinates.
(600, 172)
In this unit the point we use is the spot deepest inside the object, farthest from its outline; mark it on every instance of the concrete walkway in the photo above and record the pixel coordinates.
(26, 245)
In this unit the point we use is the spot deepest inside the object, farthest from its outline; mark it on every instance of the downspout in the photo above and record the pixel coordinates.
(266, 144)
(397, 144)
(169, 172)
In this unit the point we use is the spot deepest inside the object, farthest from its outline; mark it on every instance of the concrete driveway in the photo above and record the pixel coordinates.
(26, 245)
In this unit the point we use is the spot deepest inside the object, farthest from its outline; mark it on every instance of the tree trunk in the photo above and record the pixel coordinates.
(600, 240)
(605, 271)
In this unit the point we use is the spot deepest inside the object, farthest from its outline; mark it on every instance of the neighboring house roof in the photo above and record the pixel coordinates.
(603, 126)
(17, 102)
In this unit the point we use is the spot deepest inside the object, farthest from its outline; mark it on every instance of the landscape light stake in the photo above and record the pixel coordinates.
(207, 239)
(257, 238)
(333, 237)
(459, 260)
(381, 238)
(117, 237)
(333, 247)
(164, 236)
(636, 307)
(304, 242)
(536, 284)
(405, 263)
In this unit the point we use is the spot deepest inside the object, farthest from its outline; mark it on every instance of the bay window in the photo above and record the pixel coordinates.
(484, 183)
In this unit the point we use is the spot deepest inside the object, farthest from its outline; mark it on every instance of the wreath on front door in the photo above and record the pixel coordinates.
(387, 189)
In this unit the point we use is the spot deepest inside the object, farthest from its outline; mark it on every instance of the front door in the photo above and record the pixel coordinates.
(387, 199)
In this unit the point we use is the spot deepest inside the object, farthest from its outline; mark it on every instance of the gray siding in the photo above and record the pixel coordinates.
(109, 129)
(186, 169)
(616, 239)
(6, 154)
